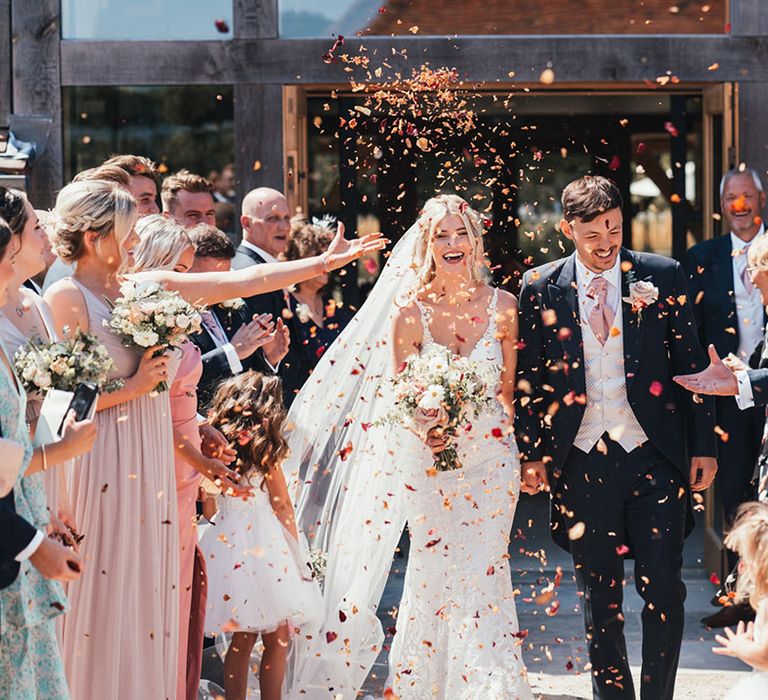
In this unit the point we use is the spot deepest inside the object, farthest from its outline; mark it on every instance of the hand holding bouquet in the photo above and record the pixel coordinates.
(63, 364)
(439, 390)
(147, 315)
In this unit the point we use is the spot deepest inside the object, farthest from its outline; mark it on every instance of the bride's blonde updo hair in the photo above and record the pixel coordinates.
(91, 205)
(161, 245)
(435, 210)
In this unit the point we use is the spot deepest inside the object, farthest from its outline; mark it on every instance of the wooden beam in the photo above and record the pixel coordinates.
(749, 18)
(258, 138)
(753, 145)
(5, 63)
(37, 87)
(255, 19)
(691, 58)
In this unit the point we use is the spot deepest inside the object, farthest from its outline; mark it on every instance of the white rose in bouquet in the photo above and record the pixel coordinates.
(146, 314)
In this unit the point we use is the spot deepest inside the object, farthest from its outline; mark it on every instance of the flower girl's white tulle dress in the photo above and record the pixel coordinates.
(258, 576)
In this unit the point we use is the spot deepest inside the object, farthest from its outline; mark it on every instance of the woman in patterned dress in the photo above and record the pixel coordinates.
(30, 661)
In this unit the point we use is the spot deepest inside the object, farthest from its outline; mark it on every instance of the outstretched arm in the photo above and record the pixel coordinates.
(686, 356)
(214, 287)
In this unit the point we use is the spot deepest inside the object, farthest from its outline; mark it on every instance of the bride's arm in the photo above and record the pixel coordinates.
(214, 287)
(407, 336)
(506, 325)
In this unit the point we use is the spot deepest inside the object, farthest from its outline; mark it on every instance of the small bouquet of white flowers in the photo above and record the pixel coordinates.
(63, 364)
(318, 561)
(440, 390)
(146, 314)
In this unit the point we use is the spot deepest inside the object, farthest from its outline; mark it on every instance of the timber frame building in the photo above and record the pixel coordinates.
(700, 66)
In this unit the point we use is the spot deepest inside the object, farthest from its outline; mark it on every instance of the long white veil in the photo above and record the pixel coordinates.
(343, 475)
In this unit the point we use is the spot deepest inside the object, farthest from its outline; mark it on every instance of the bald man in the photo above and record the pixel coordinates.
(266, 222)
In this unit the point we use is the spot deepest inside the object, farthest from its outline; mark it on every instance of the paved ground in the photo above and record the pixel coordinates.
(555, 651)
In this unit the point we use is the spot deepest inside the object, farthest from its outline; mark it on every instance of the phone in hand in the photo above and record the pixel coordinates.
(83, 403)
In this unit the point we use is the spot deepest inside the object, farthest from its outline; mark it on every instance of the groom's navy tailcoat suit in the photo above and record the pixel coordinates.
(610, 499)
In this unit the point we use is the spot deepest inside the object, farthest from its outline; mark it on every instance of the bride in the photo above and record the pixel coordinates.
(358, 481)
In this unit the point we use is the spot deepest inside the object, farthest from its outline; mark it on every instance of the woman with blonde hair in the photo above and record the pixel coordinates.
(352, 470)
(121, 637)
(165, 245)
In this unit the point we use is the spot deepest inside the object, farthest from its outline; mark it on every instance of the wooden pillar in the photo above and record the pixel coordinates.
(5, 64)
(750, 18)
(258, 108)
(36, 30)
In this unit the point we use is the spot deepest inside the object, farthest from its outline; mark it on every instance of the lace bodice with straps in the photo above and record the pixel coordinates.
(487, 349)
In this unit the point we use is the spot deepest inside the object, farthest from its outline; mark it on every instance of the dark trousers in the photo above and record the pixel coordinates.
(737, 457)
(638, 500)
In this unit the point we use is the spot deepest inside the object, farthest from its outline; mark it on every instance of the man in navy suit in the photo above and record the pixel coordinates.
(231, 341)
(730, 315)
(600, 422)
(266, 222)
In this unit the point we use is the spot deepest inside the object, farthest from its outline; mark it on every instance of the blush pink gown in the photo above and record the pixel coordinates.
(120, 635)
(191, 602)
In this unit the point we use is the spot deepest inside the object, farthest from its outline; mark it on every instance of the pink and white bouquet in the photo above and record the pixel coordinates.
(146, 314)
(444, 391)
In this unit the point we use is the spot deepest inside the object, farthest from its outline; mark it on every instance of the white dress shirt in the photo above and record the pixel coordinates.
(584, 277)
(259, 251)
(31, 548)
(233, 360)
(749, 305)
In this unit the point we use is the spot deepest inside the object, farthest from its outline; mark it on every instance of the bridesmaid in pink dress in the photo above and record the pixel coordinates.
(169, 248)
(121, 638)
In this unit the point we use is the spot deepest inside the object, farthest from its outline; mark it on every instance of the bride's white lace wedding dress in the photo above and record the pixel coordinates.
(457, 631)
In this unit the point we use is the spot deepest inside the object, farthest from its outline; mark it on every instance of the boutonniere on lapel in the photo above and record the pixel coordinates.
(231, 305)
(642, 293)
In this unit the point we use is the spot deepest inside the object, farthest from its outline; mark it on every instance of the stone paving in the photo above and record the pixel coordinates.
(555, 652)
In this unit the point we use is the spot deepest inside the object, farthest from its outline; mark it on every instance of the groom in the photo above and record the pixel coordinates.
(601, 423)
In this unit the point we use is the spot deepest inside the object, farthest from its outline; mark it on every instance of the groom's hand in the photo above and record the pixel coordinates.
(534, 478)
(715, 380)
(703, 470)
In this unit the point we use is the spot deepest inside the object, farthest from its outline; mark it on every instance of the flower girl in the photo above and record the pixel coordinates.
(749, 537)
(259, 582)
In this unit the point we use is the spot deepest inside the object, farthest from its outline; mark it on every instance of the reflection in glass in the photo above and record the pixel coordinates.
(406, 17)
(146, 19)
(178, 127)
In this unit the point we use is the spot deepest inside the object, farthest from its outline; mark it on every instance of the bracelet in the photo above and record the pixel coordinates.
(45, 460)
(324, 258)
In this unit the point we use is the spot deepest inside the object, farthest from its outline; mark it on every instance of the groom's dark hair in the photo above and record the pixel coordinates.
(590, 196)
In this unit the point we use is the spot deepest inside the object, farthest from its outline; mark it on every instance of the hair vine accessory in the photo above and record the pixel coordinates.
(327, 222)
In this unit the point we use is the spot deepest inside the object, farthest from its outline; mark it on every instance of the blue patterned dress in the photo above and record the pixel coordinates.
(30, 658)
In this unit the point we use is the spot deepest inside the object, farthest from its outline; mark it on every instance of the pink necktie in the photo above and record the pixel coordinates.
(744, 262)
(209, 321)
(600, 317)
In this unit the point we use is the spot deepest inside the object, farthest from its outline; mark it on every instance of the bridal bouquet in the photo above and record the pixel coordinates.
(146, 314)
(64, 364)
(440, 390)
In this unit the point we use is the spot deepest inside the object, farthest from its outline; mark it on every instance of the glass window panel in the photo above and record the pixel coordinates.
(178, 127)
(146, 19)
(449, 17)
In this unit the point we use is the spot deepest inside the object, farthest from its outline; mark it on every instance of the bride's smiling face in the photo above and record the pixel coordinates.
(451, 246)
